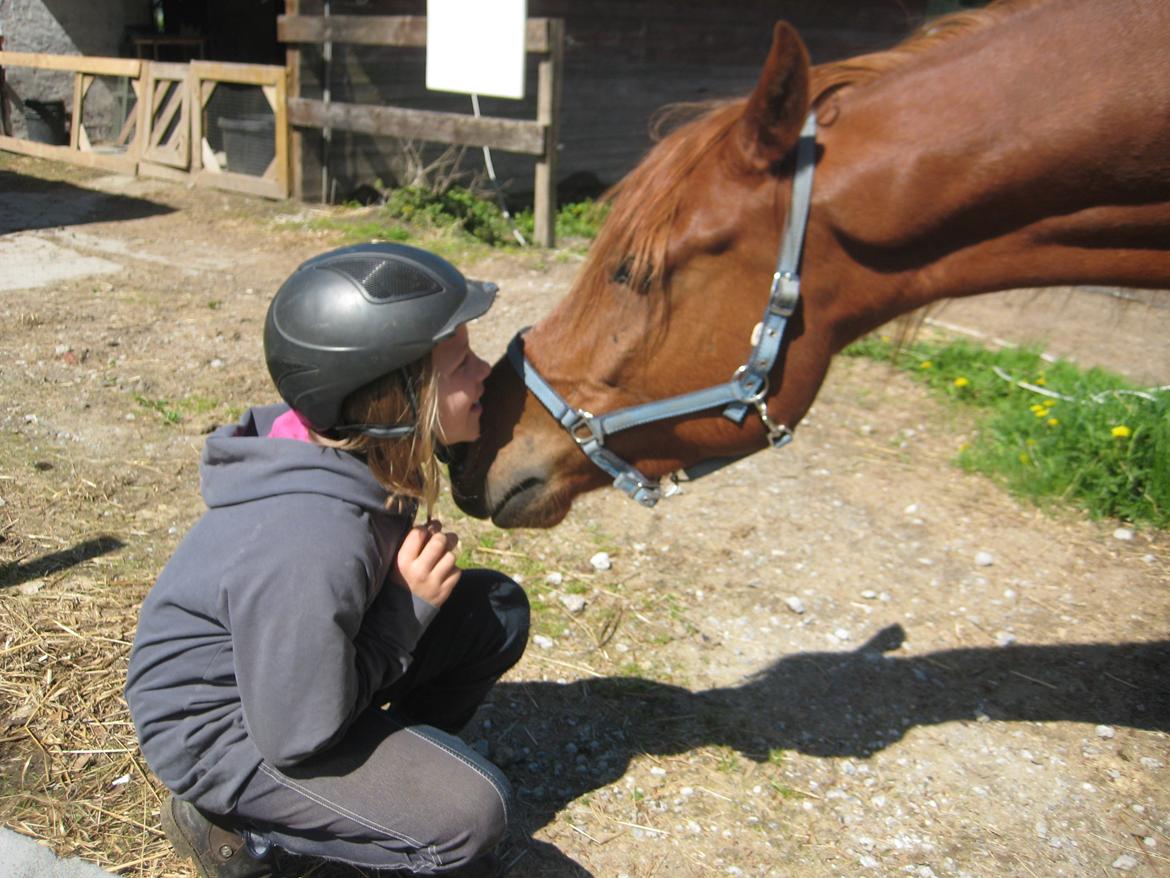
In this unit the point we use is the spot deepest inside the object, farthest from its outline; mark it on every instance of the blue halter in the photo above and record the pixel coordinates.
(748, 387)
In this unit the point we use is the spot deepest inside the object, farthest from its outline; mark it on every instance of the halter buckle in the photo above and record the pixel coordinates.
(785, 293)
(581, 428)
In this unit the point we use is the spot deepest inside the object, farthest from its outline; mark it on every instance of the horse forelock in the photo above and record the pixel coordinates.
(645, 204)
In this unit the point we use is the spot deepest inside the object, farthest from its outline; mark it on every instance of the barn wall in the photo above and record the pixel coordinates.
(68, 27)
(623, 62)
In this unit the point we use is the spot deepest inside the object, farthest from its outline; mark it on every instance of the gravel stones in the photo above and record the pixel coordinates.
(601, 561)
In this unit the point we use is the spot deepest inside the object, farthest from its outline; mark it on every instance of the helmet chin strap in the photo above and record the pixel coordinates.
(389, 431)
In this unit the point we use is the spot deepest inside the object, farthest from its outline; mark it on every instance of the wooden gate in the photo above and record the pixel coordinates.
(167, 115)
(167, 133)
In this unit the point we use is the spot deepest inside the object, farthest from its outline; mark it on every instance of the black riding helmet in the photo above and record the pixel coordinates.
(350, 316)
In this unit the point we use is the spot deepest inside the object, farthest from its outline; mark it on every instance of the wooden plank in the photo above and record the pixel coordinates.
(74, 63)
(138, 146)
(245, 183)
(207, 156)
(78, 97)
(195, 90)
(247, 74)
(176, 101)
(131, 124)
(511, 135)
(292, 66)
(168, 70)
(168, 96)
(548, 111)
(381, 30)
(280, 118)
(162, 172)
(114, 162)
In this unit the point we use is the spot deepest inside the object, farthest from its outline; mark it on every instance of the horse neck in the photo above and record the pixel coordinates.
(978, 169)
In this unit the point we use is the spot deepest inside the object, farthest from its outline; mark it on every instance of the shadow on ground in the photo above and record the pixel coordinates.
(561, 741)
(28, 203)
(16, 573)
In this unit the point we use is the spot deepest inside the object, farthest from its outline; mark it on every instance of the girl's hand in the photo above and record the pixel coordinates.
(426, 563)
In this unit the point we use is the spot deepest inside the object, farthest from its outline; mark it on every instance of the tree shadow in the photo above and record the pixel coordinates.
(16, 573)
(28, 203)
(560, 741)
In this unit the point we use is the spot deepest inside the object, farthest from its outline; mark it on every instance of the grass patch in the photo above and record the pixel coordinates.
(177, 411)
(455, 221)
(1051, 432)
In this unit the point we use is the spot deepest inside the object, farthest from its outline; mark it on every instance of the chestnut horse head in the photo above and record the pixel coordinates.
(963, 161)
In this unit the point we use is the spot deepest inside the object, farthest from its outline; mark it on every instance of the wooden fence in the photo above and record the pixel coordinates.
(536, 137)
(165, 133)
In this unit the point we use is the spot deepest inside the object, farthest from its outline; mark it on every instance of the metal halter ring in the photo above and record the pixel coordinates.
(759, 394)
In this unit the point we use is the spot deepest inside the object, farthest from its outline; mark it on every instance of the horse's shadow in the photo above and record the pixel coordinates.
(560, 741)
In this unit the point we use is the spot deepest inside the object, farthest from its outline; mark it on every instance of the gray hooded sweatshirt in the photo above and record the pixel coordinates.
(274, 625)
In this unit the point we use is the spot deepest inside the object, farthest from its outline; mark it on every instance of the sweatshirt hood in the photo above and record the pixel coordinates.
(241, 464)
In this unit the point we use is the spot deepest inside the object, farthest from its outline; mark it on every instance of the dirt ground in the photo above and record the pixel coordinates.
(848, 658)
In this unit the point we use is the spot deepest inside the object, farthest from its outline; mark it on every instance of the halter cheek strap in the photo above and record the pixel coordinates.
(748, 387)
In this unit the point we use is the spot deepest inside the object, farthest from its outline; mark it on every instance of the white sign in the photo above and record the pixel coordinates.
(477, 46)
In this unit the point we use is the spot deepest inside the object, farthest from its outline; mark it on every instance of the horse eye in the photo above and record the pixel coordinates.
(621, 274)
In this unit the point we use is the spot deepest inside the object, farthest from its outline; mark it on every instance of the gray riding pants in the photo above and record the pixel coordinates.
(400, 791)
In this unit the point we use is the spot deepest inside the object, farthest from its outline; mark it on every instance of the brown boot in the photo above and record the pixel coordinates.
(217, 851)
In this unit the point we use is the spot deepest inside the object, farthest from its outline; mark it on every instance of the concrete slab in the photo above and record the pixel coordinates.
(22, 857)
(30, 261)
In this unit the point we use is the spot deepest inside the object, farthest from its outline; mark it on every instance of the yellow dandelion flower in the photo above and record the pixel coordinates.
(1030, 443)
(961, 382)
(1040, 381)
(1053, 422)
(1024, 458)
(926, 364)
(1121, 432)
(1038, 410)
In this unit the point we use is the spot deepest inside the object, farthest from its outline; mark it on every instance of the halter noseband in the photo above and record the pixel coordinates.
(748, 385)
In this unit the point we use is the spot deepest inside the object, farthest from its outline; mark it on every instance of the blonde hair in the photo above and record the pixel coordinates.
(407, 467)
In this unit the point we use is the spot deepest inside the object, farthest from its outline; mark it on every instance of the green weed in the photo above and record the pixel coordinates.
(1050, 431)
(454, 221)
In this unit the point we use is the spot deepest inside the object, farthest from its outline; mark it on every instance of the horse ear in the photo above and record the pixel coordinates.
(775, 111)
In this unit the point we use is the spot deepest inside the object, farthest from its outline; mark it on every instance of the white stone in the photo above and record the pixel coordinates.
(574, 603)
(554, 579)
(1105, 732)
(601, 561)
(1126, 862)
(542, 641)
(984, 559)
(1123, 533)
(795, 604)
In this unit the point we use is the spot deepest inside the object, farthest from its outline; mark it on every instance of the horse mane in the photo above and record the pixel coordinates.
(643, 205)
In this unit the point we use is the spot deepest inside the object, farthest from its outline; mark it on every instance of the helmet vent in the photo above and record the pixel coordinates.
(385, 279)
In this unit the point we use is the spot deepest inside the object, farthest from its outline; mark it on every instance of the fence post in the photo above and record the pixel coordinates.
(292, 63)
(548, 111)
(5, 112)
